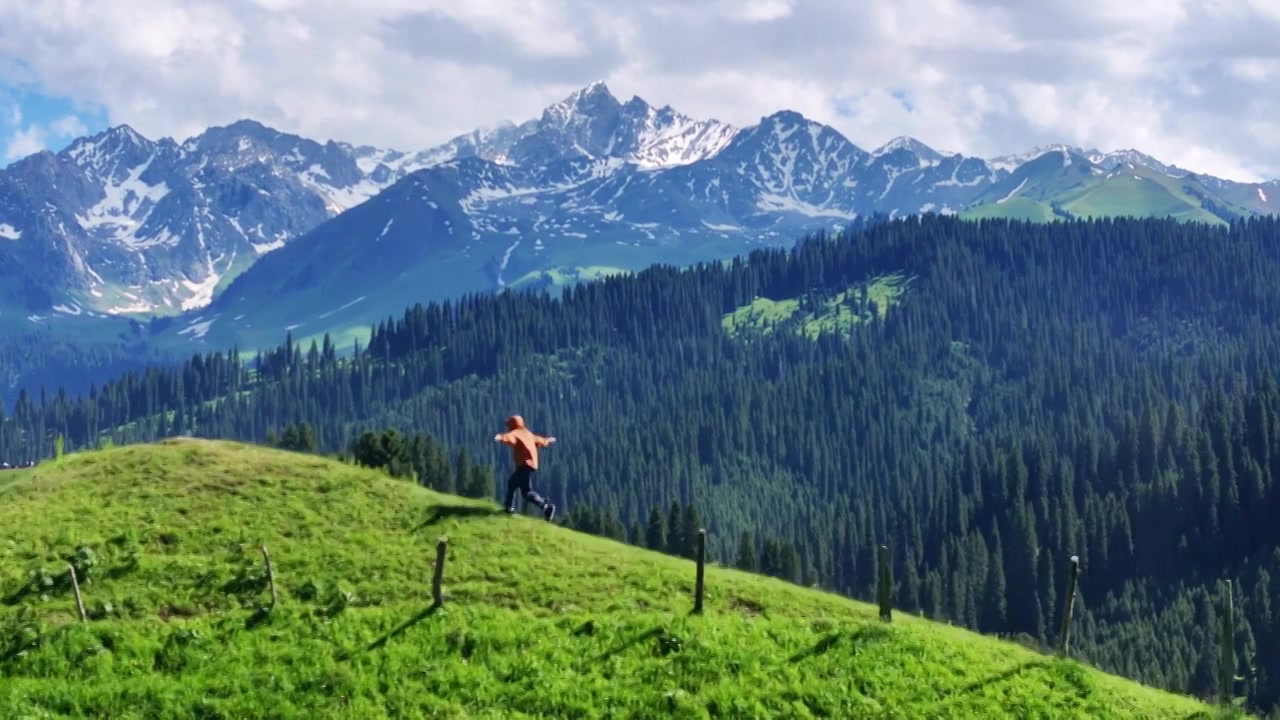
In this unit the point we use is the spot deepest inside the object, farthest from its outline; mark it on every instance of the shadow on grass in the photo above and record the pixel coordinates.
(259, 617)
(653, 632)
(423, 615)
(61, 585)
(870, 633)
(1011, 672)
(440, 513)
(123, 569)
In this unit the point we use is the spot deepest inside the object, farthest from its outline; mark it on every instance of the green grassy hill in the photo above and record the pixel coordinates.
(839, 312)
(538, 621)
(1080, 190)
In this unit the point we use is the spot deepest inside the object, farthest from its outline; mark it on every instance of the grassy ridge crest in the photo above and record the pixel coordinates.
(539, 621)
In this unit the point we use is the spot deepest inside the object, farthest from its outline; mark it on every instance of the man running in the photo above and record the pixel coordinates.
(524, 450)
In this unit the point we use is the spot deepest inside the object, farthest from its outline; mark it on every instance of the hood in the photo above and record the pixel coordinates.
(515, 422)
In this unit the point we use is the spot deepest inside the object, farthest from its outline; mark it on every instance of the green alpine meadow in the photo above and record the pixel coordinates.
(170, 543)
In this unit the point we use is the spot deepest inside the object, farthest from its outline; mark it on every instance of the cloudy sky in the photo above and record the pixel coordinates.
(1192, 82)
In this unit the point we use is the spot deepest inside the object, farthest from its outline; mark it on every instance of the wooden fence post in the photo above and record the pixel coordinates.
(1069, 607)
(1227, 660)
(437, 592)
(699, 584)
(271, 576)
(886, 580)
(75, 585)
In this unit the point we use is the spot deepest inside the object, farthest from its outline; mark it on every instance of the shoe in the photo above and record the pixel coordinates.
(550, 511)
(511, 511)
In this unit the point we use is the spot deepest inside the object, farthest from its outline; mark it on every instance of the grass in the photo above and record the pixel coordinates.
(1137, 192)
(538, 621)
(1015, 208)
(567, 275)
(837, 313)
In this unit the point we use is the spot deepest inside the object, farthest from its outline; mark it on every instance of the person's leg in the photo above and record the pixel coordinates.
(548, 507)
(524, 482)
(513, 484)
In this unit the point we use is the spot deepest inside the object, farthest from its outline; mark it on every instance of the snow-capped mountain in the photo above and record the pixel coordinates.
(1105, 160)
(140, 226)
(243, 217)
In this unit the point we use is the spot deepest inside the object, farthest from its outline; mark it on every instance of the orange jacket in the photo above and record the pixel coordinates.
(524, 443)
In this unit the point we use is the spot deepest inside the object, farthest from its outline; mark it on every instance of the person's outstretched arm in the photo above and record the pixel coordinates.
(504, 438)
(543, 441)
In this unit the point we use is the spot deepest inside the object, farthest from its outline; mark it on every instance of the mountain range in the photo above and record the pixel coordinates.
(243, 233)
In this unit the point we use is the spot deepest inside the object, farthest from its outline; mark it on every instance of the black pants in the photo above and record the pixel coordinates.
(522, 480)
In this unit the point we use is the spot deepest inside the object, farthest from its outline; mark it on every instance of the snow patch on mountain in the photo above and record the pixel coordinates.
(201, 291)
(506, 258)
(1010, 163)
(266, 247)
(331, 312)
(1261, 195)
(198, 328)
(669, 139)
(1012, 192)
(138, 306)
(925, 155)
(124, 207)
(781, 203)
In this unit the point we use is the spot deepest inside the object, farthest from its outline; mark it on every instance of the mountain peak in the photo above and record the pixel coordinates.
(1009, 163)
(784, 117)
(596, 87)
(910, 144)
(108, 148)
(588, 99)
(1129, 156)
(124, 131)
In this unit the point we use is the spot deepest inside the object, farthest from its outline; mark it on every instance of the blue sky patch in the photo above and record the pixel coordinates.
(32, 121)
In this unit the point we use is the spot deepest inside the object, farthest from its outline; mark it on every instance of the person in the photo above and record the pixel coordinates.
(524, 450)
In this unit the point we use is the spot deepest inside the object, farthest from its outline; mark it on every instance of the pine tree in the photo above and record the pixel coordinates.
(995, 616)
(746, 559)
(676, 539)
(692, 523)
(656, 531)
(462, 470)
(306, 438)
(479, 483)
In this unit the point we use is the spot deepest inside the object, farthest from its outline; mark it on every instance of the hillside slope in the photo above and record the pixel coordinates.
(539, 621)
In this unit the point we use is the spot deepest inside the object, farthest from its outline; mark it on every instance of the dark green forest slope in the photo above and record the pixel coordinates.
(987, 397)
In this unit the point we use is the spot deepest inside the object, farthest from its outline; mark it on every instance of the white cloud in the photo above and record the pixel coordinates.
(25, 142)
(34, 137)
(1185, 80)
(68, 126)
